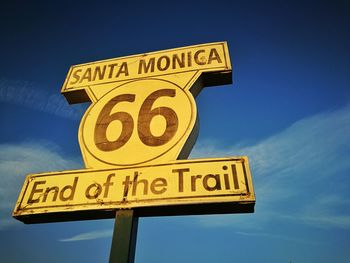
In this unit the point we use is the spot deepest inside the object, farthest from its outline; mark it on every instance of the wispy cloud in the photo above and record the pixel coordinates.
(89, 236)
(274, 236)
(18, 160)
(29, 95)
(300, 174)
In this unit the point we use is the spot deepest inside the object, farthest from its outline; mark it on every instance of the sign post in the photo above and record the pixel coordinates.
(124, 237)
(135, 138)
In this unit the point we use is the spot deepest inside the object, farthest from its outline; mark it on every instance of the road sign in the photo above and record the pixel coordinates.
(202, 186)
(143, 109)
(212, 59)
(134, 137)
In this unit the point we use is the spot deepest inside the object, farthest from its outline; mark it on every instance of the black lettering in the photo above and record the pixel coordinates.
(235, 177)
(136, 182)
(213, 55)
(181, 177)
(159, 183)
(111, 69)
(199, 61)
(87, 75)
(194, 178)
(75, 76)
(107, 184)
(96, 192)
(189, 59)
(126, 184)
(177, 60)
(55, 190)
(35, 191)
(99, 72)
(159, 63)
(72, 191)
(146, 68)
(226, 180)
(123, 69)
(217, 185)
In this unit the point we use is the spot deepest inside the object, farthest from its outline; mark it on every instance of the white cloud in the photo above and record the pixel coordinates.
(18, 160)
(89, 236)
(26, 94)
(300, 174)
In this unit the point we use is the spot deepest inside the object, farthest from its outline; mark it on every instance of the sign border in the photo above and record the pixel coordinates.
(66, 88)
(246, 205)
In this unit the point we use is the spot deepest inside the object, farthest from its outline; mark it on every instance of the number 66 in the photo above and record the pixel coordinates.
(145, 116)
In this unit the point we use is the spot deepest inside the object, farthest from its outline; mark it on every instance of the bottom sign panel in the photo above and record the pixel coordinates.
(199, 186)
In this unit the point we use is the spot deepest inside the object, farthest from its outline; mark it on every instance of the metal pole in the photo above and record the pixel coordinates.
(124, 237)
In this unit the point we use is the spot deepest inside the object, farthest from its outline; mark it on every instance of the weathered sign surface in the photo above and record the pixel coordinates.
(143, 107)
(134, 137)
(204, 58)
(212, 185)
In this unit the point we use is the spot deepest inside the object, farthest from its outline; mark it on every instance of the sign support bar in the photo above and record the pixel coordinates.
(124, 237)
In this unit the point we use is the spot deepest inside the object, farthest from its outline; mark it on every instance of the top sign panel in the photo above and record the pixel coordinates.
(205, 58)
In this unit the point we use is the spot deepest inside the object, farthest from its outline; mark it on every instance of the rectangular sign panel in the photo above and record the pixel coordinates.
(200, 186)
(210, 57)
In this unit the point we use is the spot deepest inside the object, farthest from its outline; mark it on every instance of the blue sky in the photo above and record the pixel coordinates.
(288, 110)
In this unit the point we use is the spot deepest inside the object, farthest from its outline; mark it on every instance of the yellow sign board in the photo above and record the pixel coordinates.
(211, 57)
(143, 109)
(199, 186)
(134, 137)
